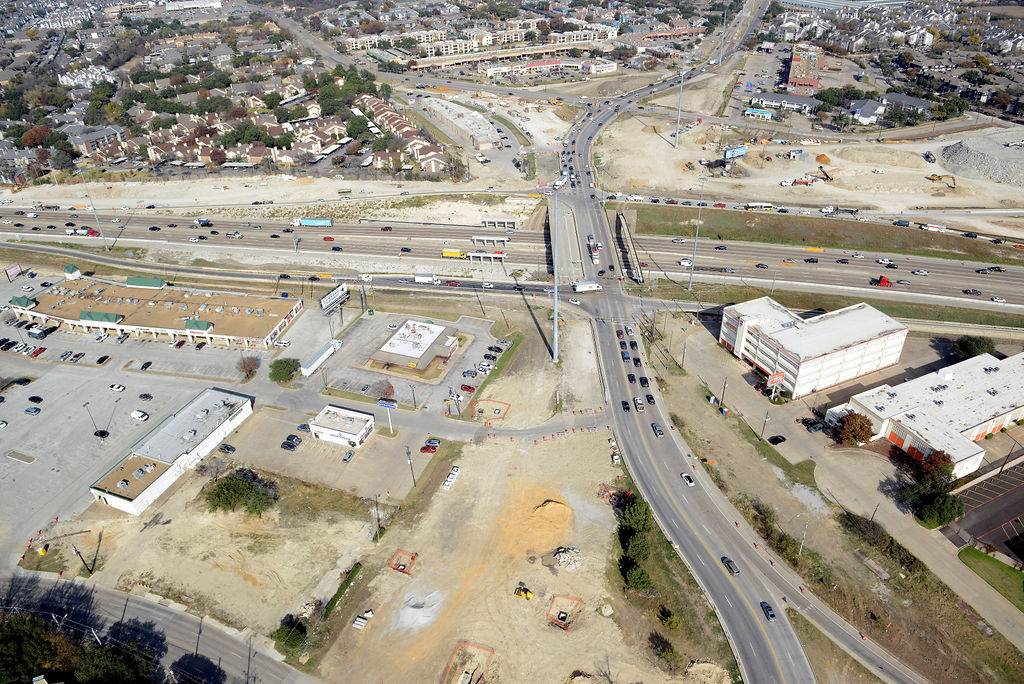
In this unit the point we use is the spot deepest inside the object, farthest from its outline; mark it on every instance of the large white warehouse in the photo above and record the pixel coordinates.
(948, 410)
(814, 353)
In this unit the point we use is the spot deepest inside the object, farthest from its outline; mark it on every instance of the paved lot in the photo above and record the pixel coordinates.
(994, 511)
(49, 460)
(379, 467)
(341, 371)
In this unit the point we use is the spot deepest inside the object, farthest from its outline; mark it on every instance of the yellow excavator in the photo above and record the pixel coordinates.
(937, 177)
(523, 592)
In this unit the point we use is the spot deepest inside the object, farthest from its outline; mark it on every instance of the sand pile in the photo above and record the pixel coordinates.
(534, 521)
(549, 515)
(823, 159)
(880, 155)
(418, 611)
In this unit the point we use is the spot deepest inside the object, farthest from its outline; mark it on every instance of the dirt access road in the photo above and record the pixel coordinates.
(511, 505)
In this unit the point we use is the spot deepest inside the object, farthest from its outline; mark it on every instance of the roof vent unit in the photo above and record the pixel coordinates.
(248, 311)
(938, 402)
(911, 416)
(880, 408)
(890, 394)
(992, 392)
(122, 484)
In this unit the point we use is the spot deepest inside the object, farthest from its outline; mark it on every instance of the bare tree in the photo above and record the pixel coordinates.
(247, 365)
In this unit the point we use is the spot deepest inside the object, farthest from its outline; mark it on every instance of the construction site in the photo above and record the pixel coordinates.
(530, 598)
(816, 171)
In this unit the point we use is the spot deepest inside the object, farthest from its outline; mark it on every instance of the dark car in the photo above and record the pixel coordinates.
(761, 266)
(776, 440)
(893, 266)
(622, 344)
(768, 611)
(644, 382)
(632, 344)
(490, 357)
(287, 446)
(650, 399)
(636, 361)
(303, 427)
(815, 427)
(405, 250)
(274, 235)
(811, 260)
(145, 396)
(36, 399)
(146, 365)
(658, 432)
(226, 449)
(721, 248)
(842, 261)
(294, 439)
(200, 345)
(313, 279)
(102, 434)
(970, 235)
(335, 249)
(21, 382)
(625, 407)
(102, 360)
(631, 378)
(154, 228)
(976, 293)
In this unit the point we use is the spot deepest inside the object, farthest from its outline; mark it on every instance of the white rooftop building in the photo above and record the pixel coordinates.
(416, 344)
(341, 425)
(178, 443)
(814, 353)
(948, 410)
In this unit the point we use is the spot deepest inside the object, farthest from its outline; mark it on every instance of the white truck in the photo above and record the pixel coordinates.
(236, 235)
(31, 214)
(426, 279)
(634, 198)
(586, 286)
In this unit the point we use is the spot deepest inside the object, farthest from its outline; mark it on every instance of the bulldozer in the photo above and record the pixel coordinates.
(523, 592)
(940, 177)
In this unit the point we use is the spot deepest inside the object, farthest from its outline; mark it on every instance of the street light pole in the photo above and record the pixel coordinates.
(86, 407)
(413, 388)
(724, 386)
(764, 424)
(696, 235)
(408, 455)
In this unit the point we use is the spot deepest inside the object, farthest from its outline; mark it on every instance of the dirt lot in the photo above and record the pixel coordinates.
(534, 396)
(526, 501)
(604, 86)
(632, 140)
(218, 562)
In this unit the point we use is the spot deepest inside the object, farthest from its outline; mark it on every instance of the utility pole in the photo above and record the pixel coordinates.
(764, 424)
(679, 108)
(1008, 453)
(376, 508)
(804, 537)
(554, 242)
(408, 455)
(724, 386)
(413, 388)
(696, 235)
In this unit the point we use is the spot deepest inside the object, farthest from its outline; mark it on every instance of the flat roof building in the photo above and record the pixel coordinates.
(815, 352)
(150, 308)
(176, 444)
(948, 410)
(342, 426)
(416, 344)
(805, 66)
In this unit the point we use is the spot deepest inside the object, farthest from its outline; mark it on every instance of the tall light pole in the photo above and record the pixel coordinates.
(413, 388)
(696, 235)
(724, 386)
(679, 108)
(408, 455)
(86, 407)
(554, 243)
(764, 424)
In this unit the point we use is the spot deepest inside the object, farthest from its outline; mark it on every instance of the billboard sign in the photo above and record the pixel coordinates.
(387, 403)
(734, 152)
(776, 378)
(335, 296)
(13, 272)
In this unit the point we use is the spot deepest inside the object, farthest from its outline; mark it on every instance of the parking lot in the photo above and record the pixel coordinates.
(994, 511)
(345, 370)
(53, 457)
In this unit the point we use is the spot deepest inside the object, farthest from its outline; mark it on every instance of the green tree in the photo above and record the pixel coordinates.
(638, 548)
(940, 510)
(637, 578)
(969, 346)
(636, 516)
(242, 488)
(271, 100)
(24, 647)
(854, 428)
(356, 126)
(125, 664)
(282, 370)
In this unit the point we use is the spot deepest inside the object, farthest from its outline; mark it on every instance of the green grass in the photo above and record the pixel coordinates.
(332, 604)
(356, 396)
(816, 231)
(1000, 576)
(810, 301)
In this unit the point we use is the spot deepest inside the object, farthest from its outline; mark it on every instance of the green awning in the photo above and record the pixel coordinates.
(203, 326)
(140, 281)
(69, 269)
(23, 302)
(100, 317)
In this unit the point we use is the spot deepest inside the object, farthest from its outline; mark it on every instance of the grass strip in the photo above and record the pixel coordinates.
(342, 589)
(1006, 580)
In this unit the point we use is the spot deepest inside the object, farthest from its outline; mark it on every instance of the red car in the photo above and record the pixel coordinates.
(720, 205)
(385, 228)
(453, 283)
(328, 238)
(39, 351)
(428, 449)
(468, 388)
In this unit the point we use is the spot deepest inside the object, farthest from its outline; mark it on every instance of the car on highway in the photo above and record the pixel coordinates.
(919, 272)
(650, 399)
(573, 300)
(769, 613)
(983, 271)
(720, 205)
(903, 282)
(678, 241)
(761, 266)
(625, 407)
(656, 428)
(687, 479)
(971, 235)
(631, 378)
(973, 292)
(858, 255)
(998, 300)
(456, 283)
(154, 228)
(629, 330)
(842, 261)
(811, 260)
(883, 261)
(721, 248)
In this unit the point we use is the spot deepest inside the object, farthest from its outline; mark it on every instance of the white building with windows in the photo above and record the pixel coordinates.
(343, 426)
(816, 352)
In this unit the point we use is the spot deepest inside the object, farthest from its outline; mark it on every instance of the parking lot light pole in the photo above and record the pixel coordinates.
(86, 407)
(413, 388)
(725, 384)
(408, 455)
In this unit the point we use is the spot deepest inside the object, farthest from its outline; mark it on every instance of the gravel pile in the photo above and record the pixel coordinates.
(987, 158)
(568, 557)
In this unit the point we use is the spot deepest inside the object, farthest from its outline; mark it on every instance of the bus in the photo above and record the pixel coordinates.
(759, 206)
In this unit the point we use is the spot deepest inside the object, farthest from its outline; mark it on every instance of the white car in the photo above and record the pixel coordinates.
(883, 261)
(7, 222)
(27, 288)
(3, 424)
(998, 300)
(688, 480)
(117, 388)
(857, 255)
(629, 330)
(392, 326)
(193, 239)
(116, 220)
(140, 416)
(920, 272)
(575, 301)
(488, 286)
(685, 262)
(678, 241)
(805, 212)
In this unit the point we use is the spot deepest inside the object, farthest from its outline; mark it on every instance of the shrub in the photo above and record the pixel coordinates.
(282, 370)
(969, 346)
(941, 509)
(291, 635)
(638, 548)
(242, 488)
(637, 578)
